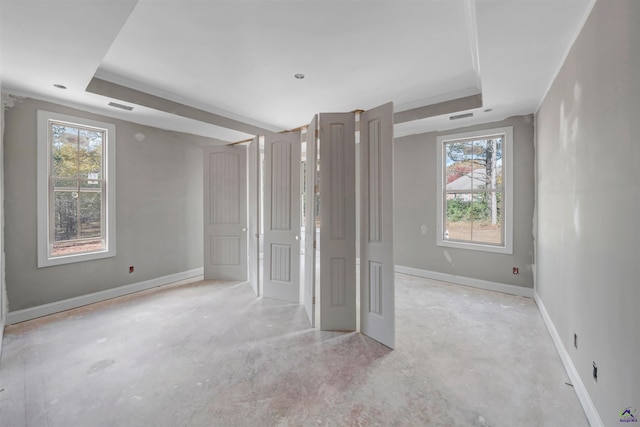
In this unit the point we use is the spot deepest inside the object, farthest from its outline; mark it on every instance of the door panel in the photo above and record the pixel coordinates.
(282, 216)
(377, 286)
(310, 222)
(253, 173)
(225, 213)
(337, 222)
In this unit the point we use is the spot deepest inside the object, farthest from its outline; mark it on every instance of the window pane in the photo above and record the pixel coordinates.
(71, 247)
(458, 165)
(66, 216)
(487, 162)
(64, 151)
(487, 226)
(90, 184)
(66, 184)
(73, 236)
(498, 165)
(458, 217)
(77, 152)
(91, 143)
(90, 214)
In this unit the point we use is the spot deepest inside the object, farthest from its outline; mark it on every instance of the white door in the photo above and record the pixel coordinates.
(253, 173)
(282, 216)
(310, 222)
(337, 222)
(377, 287)
(225, 213)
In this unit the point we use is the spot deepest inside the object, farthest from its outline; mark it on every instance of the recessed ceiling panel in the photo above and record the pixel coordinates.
(51, 42)
(241, 57)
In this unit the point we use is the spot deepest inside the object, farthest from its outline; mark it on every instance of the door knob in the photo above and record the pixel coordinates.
(297, 237)
(244, 229)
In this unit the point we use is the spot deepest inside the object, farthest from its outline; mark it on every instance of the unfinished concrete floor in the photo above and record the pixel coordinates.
(211, 354)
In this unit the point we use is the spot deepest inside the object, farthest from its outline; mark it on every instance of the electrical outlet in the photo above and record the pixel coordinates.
(575, 340)
(595, 371)
(131, 269)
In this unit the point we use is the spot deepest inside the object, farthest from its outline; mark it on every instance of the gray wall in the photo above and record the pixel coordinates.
(415, 193)
(158, 210)
(588, 169)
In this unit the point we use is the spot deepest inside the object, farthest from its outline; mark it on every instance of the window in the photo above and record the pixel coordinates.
(76, 189)
(475, 190)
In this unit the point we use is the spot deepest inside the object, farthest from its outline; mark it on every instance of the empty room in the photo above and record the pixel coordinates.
(327, 213)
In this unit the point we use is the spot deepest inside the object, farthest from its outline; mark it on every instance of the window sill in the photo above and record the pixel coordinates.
(476, 247)
(71, 259)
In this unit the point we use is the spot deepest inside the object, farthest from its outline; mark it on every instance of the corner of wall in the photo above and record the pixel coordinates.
(3, 291)
(581, 391)
(534, 223)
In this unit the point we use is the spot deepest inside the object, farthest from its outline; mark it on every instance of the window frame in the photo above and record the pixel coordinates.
(507, 202)
(44, 189)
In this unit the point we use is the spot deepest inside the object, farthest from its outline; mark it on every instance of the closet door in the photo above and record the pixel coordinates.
(225, 213)
(377, 287)
(310, 222)
(282, 216)
(337, 222)
(253, 174)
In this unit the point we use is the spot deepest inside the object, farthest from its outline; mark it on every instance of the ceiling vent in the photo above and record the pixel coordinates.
(123, 107)
(461, 116)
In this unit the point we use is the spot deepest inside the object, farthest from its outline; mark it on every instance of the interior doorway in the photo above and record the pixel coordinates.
(303, 216)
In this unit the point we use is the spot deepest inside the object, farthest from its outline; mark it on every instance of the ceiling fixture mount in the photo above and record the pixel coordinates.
(59, 86)
(299, 76)
(461, 116)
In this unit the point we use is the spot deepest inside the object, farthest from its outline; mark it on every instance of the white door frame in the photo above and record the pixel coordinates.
(253, 173)
(310, 222)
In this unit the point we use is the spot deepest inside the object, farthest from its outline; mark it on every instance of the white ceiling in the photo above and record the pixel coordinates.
(237, 59)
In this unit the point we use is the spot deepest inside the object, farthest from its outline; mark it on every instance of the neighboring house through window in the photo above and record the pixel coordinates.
(475, 188)
(76, 189)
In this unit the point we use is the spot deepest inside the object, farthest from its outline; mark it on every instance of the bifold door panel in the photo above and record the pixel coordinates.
(282, 216)
(377, 287)
(337, 222)
(225, 213)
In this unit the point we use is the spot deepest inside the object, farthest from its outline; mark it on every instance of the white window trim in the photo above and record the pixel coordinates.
(44, 165)
(507, 174)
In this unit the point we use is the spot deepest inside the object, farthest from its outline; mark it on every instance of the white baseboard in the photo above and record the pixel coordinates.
(583, 396)
(67, 304)
(467, 281)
